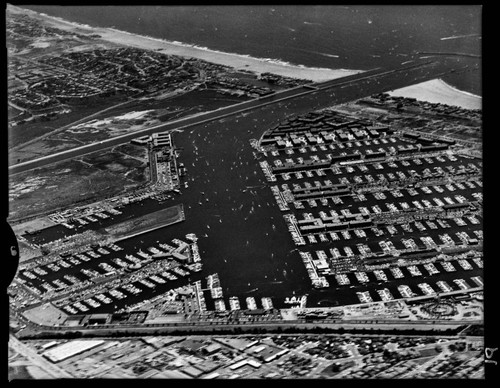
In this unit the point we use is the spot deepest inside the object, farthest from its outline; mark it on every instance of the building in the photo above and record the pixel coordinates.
(70, 349)
(242, 363)
(161, 139)
(97, 319)
(212, 348)
(191, 371)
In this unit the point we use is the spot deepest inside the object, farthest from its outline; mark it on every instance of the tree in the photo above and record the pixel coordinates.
(388, 353)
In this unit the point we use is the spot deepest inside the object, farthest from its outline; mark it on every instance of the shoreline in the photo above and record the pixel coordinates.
(236, 61)
(438, 91)
(435, 91)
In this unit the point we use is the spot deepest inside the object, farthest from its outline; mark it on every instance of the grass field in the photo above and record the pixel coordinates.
(46, 314)
(69, 183)
(31, 130)
(13, 112)
(168, 109)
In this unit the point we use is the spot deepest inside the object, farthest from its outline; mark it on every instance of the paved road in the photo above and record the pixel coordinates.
(37, 359)
(270, 326)
(363, 82)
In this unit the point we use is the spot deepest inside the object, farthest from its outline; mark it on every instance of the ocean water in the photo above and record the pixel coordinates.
(349, 37)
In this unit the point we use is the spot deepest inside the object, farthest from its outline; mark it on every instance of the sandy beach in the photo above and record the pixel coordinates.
(435, 91)
(237, 61)
(438, 91)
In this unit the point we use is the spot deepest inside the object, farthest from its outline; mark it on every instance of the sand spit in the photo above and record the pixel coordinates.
(438, 91)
